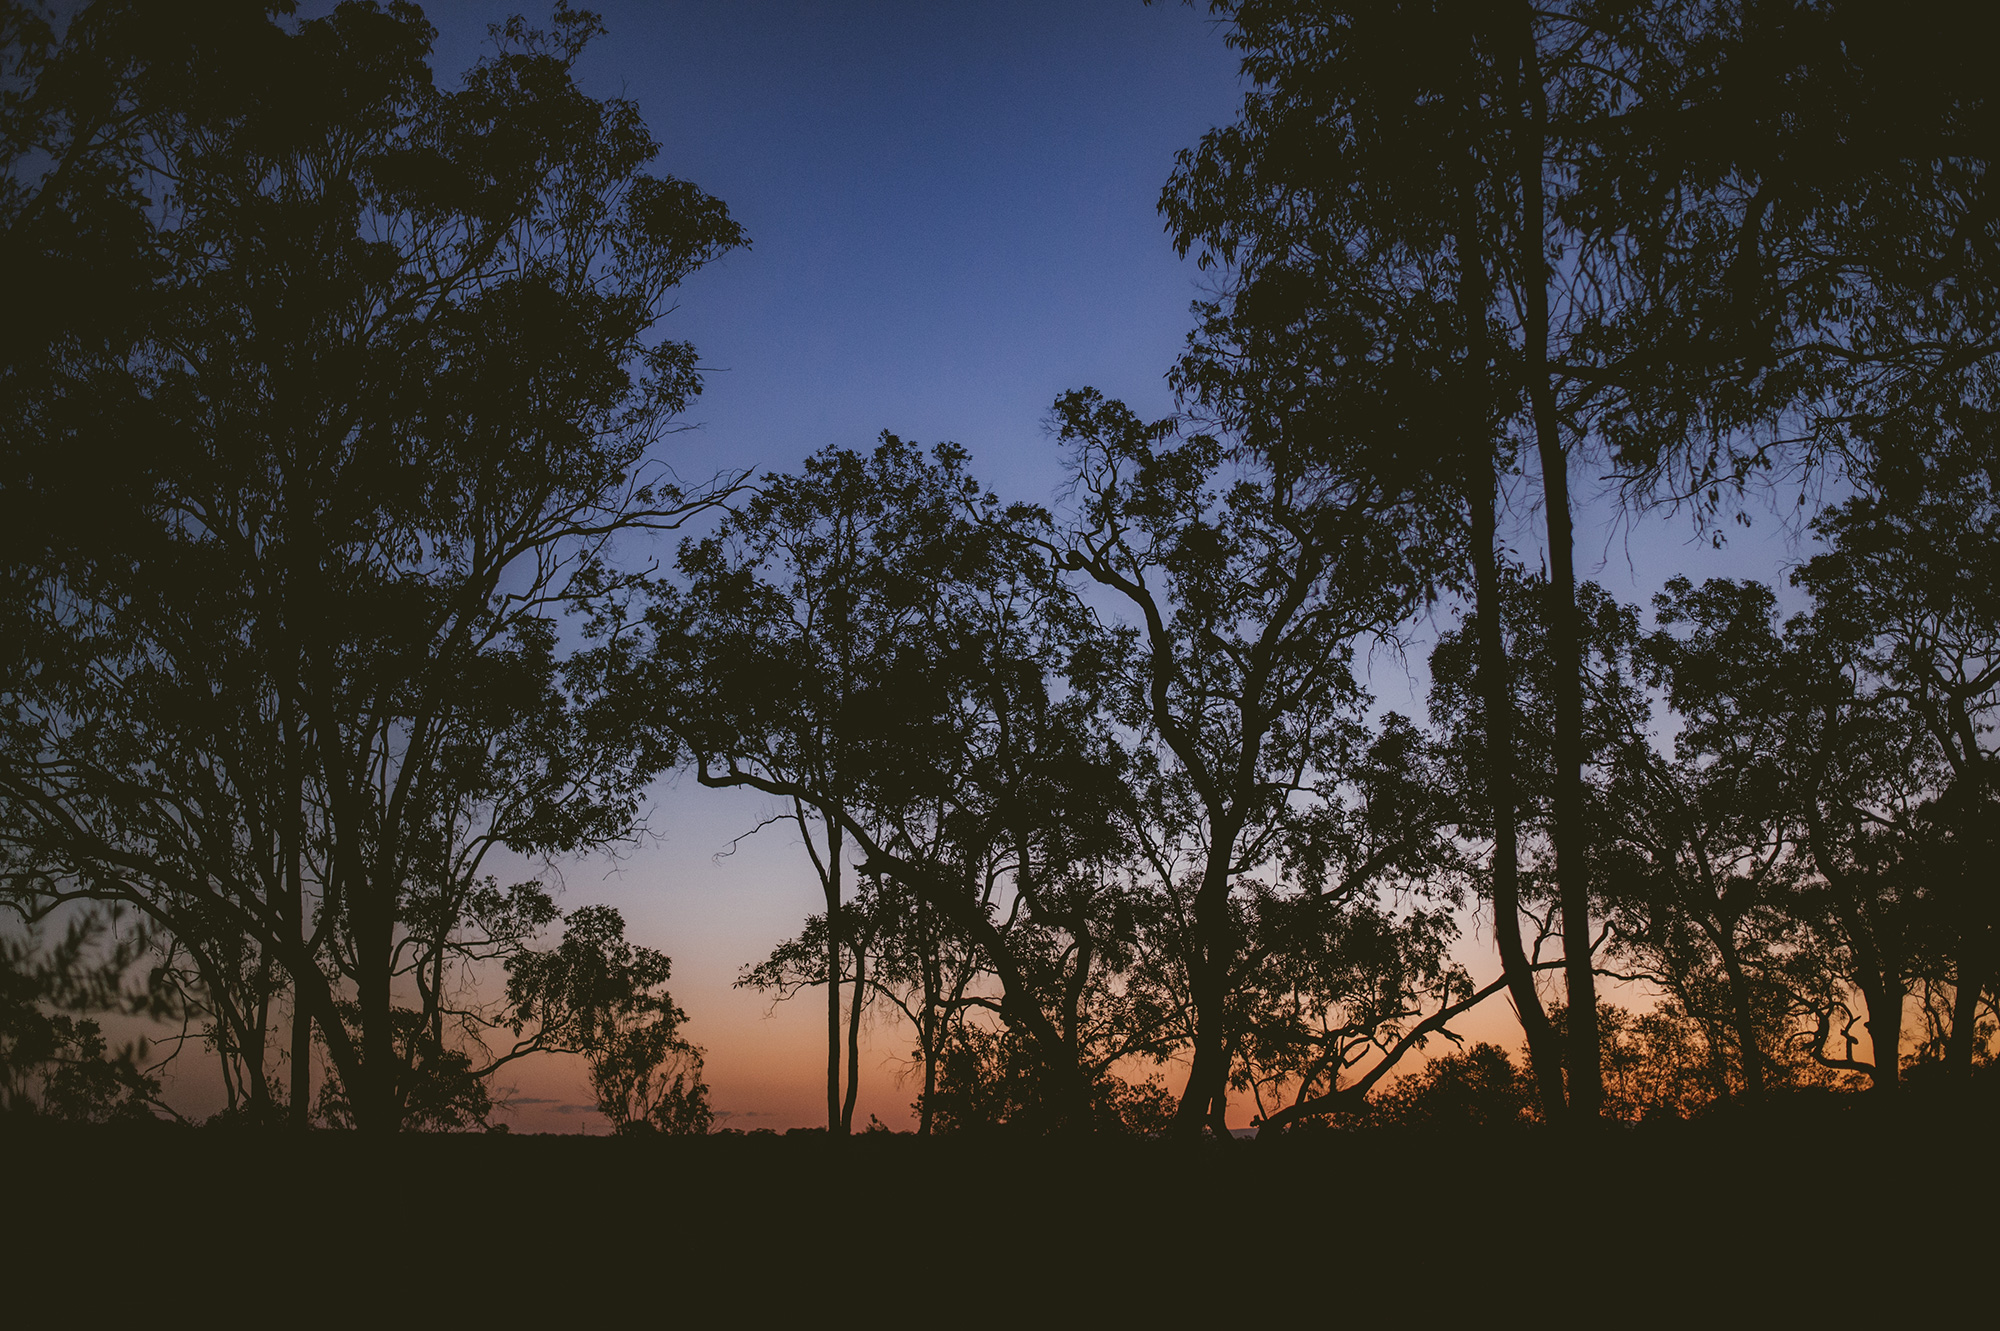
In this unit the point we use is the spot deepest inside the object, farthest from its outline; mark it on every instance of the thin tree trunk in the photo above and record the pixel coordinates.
(1497, 699)
(831, 881)
(1586, 1090)
(374, 1100)
(291, 849)
(854, 1006)
(933, 982)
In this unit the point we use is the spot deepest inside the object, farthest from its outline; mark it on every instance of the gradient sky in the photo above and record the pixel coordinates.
(952, 216)
(952, 209)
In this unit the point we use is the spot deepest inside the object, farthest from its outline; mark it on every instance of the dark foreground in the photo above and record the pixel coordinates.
(1826, 1223)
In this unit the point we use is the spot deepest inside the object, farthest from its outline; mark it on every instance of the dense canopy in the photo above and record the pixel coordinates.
(336, 400)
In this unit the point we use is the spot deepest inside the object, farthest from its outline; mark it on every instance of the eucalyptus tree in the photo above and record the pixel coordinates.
(1345, 980)
(1704, 838)
(1411, 298)
(872, 643)
(1249, 590)
(1908, 576)
(1707, 240)
(597, 995)
(1824, 782)
(393, 365)
(1808, 236)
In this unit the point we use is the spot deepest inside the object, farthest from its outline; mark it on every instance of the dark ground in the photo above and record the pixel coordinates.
(1807, 1223)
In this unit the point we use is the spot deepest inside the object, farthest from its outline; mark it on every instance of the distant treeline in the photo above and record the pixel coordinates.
(333, 406)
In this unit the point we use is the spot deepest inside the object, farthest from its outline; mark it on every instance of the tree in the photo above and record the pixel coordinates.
(1252, 588)
(393, 361)
(1908, 579)
(1411, 301)
(1786, 718)
(58, 1063)
(598, 995)
(1471, 1089)
(873, 644)
(1705, 842)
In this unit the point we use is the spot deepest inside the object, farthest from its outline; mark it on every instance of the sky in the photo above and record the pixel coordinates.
(952, 213)
(952, 210)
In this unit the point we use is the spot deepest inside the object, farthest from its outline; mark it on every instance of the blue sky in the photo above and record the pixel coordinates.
(951, 208)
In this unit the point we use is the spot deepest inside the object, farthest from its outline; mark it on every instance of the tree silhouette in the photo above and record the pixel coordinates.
(1391, 205)
(1251, 598)
(870, 643)
(597, 995)
(1908, 578)
(393, 368)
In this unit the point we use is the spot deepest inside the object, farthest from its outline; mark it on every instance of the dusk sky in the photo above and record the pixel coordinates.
(953, 219)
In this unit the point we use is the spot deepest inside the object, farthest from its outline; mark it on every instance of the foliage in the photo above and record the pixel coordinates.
(598, 995)
(991, 1080)
(1476, 1088)
(56, 1063)
(380, 355)
(331, 393)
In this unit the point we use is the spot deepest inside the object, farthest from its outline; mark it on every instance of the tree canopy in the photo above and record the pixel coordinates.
(335, 423)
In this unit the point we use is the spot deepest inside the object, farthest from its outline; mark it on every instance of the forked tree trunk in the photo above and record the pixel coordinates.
(1208, 1078)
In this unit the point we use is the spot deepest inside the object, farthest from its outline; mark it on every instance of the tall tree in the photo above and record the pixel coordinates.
(394, 367)
(873, 644)
(1251, 589)
(1909, 577)
(1389, 206)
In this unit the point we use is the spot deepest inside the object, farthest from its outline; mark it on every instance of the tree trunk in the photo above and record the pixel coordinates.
(933, 982)
(1884, 997)
(301, 1093)
(1745, 1021)
(1497, 699)
(256, 1046)
(1482, 496)
(831, 881)
(854, 1006)
(1973, 966)
(1208, 1078)
(374, 1100)
(1972, 973)
(291, 836)
(1586, 1090)
(1218, 1108)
